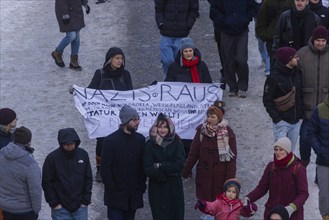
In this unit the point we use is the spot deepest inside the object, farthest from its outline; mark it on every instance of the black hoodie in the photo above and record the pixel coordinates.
(67, 177)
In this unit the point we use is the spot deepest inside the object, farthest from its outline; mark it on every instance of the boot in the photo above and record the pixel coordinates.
(74, 63)
(98, 177)
(326, 217)
(58, 58)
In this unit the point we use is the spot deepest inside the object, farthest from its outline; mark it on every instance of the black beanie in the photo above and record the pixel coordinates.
(7, 115)
(280, 210)
(22, 135)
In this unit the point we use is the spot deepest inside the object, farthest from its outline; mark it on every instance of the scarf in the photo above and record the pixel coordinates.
(220, 131)
(227, 200)
(192, 64)
(280, 164)
(162, 141)
(301, 21)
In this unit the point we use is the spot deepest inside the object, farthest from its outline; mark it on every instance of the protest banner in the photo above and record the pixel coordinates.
(185, 103)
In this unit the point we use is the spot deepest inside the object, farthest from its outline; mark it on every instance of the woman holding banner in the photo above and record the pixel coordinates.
(188, 67)
(112, 76)
(214, 150)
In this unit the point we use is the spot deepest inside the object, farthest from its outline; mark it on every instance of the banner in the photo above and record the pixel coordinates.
(185, 103)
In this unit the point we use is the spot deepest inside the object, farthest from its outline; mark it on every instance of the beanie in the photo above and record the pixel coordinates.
(320, 32)
(285, 54)
(186, 43)
(22, 135)
(280, 210)
(284, 143)
(218, 109)
(232, 182)
(127, 113)
(7, 115)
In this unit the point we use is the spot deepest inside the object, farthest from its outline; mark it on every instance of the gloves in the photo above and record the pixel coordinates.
(290, 210)
(66, 19)
(87, 8)
(201, 205)
(250, 209)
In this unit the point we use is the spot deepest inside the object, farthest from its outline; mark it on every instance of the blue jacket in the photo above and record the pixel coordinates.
(318, 132)
(232, 17)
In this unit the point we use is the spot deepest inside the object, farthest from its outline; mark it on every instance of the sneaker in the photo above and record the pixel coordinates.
(242, 94)
(98, 177)
(232, 94)
(58, 58)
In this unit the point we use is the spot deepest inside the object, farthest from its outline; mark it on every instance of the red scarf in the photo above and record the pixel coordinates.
(283, 162)
(193, 69)
(227, 200)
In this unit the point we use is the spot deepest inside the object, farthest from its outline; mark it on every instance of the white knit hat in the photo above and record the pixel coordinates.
(284, 143)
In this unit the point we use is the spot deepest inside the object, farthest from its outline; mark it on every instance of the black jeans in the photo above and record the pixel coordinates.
(19, 216)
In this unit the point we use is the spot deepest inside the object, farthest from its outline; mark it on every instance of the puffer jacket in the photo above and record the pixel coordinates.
(178, 73)
(66, 176)
(314, 68)
(74, 9)
(318, 132)
(20, 180)
(278, 84)
(175, 18)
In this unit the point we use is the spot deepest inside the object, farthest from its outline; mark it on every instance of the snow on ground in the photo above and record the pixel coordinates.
(36, 88)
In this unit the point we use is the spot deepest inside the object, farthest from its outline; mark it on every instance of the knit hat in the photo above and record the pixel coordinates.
(284, 143)
(186, 43)
(285, 54)
(217, 108)
(280, 210)
(320, 32)
(7, 115)
(232, 182)
(127, 113)
(22, 135)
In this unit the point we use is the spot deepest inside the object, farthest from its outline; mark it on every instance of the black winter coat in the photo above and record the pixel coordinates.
(122, 170)
(232, 17)
(105, 81)
(175, 18)
(5, 138)
(74, 9)
(321, 11)
(67, 177)
(178, 73)
(278, 84)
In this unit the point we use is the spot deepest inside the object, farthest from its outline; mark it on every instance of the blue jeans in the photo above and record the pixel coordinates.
(63, 214)
(263, 53)
(285, 129)
(115, 214)
(72, 38)
(304, 143)
(169, 47)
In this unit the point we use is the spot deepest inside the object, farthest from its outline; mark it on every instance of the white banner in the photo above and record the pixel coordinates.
(185, 103)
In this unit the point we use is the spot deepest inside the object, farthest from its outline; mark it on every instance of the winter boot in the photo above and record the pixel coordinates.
(74, 63)
(58, 58)
(326, 217)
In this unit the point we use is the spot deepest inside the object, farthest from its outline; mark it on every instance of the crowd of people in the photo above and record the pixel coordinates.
(294, 38)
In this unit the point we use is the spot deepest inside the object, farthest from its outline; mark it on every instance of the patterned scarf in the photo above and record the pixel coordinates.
(192, 64)
(219, 130)
(155, 137)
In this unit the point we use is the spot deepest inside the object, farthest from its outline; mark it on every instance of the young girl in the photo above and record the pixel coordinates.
(227, 205)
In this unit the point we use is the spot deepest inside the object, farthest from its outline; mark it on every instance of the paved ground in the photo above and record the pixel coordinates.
(37, 89)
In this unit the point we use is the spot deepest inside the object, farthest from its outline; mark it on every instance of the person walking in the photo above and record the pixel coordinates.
(164, 159)
(67, 178)
(282, 96)
(295, 26)
(214, 150)
(175, 19)
(8, 122)
(70, 19)
(318, 133)
(285, 180)
(113, 76)
(314, 68)
(233, 18)
(122, 167)
(20, 178)
(322, 11)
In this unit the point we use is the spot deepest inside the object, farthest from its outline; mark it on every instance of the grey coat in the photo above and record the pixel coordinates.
(20, 180)
(74, 9)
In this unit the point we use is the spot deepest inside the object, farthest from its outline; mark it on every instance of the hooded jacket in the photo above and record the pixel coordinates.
(107, 78)
(318, 132)
(20, 180)
(66, 176)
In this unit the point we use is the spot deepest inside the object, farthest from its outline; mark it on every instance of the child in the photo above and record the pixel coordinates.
(227, 205)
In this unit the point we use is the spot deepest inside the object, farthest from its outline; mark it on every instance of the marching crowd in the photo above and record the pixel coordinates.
(293, 37)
